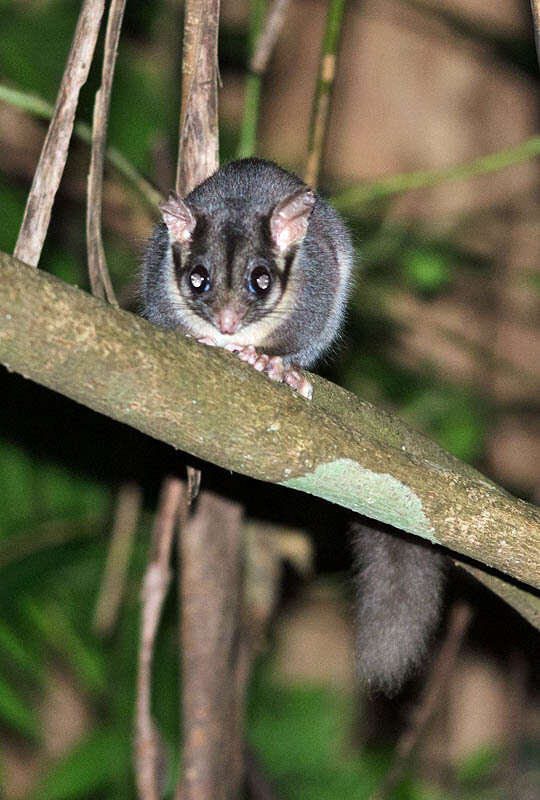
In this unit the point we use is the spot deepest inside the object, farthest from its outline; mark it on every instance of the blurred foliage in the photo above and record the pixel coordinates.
(57, 485)
(315, 759)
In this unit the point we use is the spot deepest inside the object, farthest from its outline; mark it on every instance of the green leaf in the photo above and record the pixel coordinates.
(427, 271)
(55, 626)
(453, 416)
(15, 713)
(300, 734)
(16, 479)
(12, 205)
(89, 768)
(12, 646)
(478, 766)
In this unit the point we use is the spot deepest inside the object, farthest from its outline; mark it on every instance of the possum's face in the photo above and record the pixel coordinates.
(228, 274)
(233, 271)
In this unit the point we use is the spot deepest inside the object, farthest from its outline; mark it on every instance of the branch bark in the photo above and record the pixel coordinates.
(208, 403)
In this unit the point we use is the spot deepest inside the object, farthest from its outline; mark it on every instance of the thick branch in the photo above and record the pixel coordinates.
(208, 403)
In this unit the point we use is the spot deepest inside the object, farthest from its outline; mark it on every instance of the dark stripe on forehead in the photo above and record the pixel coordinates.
(266, 240)
(231, 242)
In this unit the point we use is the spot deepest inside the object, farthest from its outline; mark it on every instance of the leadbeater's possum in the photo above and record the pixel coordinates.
(254, 261)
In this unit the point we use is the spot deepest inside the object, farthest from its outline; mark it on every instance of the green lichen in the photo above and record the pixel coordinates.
(374, 494)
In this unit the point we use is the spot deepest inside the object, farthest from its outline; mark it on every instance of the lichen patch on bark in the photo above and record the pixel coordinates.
(374, 494)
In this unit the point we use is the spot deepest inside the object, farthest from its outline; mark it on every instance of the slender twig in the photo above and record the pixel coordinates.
(325, 82)
(269, 35)
(252, 91)
(154, 591)
(40, 108)
(535, 9)
(353, 197)
(198, 119)
(55, 148)
(441, 670)
(128, 506)
(100, 280)
(193, 482)
(263, 36)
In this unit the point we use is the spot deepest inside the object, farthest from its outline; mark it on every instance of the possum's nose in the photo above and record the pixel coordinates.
(228, 320)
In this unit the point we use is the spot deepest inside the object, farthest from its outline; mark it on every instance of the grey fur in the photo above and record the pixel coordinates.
(399, 591)
(399, 580)
(231, 205)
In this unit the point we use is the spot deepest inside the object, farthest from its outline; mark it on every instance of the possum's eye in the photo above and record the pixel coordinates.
(199, 279)
(260, 281)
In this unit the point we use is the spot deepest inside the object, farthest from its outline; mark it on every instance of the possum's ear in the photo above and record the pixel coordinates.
(178, 218)
(290, 218)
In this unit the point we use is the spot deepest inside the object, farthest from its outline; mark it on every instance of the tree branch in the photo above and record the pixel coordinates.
(208, 403)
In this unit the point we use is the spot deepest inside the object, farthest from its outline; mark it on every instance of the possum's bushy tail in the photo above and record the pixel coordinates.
(399, 594)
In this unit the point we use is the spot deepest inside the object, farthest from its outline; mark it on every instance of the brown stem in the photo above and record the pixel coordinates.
(535, 9)
(55, 148)
(212, 650)
(100, 280)
(198, 153)
(127, 512)
(154, 591)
